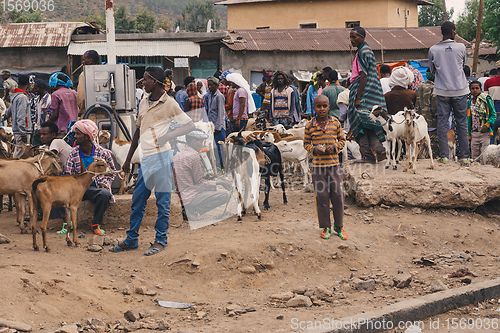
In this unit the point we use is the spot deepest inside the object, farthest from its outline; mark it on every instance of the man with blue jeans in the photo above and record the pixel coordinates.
(446, 61)
(156, 113)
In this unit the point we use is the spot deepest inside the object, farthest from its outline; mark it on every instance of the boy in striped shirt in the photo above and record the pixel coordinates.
(324, 139)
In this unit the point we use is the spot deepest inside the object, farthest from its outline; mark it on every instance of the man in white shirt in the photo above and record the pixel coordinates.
(385, 74)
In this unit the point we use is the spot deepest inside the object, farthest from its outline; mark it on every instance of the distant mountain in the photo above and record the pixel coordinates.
(71, 10)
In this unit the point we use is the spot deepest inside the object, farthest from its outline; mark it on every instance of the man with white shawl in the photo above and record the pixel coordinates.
(400, 95)
(243, 104)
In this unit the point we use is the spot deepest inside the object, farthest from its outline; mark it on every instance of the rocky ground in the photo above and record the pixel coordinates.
(251, 276)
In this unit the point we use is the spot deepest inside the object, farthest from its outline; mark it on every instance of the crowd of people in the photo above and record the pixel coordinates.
(449, 99)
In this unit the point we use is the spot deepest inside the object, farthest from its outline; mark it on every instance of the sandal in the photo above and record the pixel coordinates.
(155, 248)
(120, 247)
(63, 230)
(97, 229)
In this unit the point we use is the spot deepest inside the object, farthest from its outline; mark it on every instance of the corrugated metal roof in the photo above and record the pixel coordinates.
(40, 34)
(333, 39)
(236, 2)
(147, 48)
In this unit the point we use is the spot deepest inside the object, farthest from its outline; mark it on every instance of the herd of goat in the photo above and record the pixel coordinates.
(249, 156)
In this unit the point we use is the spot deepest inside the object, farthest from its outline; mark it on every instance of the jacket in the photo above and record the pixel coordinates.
(19, 110)
(483, 102)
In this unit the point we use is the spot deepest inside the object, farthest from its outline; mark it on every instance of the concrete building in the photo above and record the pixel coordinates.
(321, 14)
(294, 50)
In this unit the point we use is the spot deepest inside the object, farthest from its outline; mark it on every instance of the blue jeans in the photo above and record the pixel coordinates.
(243, 125)
(457, 105)
(219, 137)
(142, 192)
(281, 121)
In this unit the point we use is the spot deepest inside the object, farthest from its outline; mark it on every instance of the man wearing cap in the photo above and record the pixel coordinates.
(80, 158)
(492, 86)
(63, 106)
(157, 113)
(214, 104)
(198, 195)
(8, 85)
(19, 110)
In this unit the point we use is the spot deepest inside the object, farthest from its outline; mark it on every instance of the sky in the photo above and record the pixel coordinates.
(459, 6)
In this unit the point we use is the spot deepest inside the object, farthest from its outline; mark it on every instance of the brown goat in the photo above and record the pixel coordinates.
(64, 191)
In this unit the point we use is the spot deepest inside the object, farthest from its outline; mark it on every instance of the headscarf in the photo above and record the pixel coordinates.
(54, 81)
(195, 102)
(213, 79)
(224, 75)
(87, 126)
(401, 77)
(314, 80)
(240, 81)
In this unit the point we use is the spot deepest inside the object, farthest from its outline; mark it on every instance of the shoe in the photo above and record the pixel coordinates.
(340, 232)
(381, 157)
(97, 230)
(155, 248)
(443, 160)
(120, 247)
(63, 230)
(327, 232)
(466, 162)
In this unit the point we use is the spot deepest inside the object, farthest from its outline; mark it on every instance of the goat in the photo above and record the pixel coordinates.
(415, 131)
(16, 177)
(452, 145)
(394, 128)
(294, 151)
(63, 191)
(120, 150)
(280, 129)
(491, 155)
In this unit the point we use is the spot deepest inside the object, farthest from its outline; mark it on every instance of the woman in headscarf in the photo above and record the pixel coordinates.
(400, 96)
(243, 103)
(365, 93)
(194, 106)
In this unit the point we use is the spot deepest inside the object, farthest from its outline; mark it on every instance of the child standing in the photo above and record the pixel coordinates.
(481, 115)
(324, 139)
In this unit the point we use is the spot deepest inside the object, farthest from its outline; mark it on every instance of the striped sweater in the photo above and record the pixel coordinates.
(332, 135)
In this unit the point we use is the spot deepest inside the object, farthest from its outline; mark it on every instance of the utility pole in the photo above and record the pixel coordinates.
(445, 11)
(478, 36)
(110, 32)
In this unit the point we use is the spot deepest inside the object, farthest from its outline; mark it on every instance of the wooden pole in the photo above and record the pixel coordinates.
(478, 36)
(382, 49)
(445, 11)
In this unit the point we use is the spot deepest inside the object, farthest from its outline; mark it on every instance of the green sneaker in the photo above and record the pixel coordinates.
(443, 160)
(340, 232)
(466, 162)
(326, 234)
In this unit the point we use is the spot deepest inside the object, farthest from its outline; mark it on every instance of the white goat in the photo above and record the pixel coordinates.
(394, 128)
(491, 155)
(415, 132)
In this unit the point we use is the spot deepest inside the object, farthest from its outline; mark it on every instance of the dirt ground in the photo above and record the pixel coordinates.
(74, 286)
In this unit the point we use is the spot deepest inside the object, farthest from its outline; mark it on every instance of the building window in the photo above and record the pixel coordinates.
(308, 26)
(262, 28)
(352, 24)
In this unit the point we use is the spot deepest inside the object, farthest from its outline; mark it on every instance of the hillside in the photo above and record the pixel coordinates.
(67, 10)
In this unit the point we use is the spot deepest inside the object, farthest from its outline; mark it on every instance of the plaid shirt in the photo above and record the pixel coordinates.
(74, 166)
(223, 89)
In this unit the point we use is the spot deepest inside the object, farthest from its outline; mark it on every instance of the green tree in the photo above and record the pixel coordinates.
(145, 21)
(430, 16)
(467, 21)
(491, 24)
(123, 24)
(98, 19)
(23, 17)
(164, 24)
(195, 16)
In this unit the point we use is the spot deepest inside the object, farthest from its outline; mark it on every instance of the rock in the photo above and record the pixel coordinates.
(232, 308)
(126, 290)
(299, 300)
(268, 264)
(141, 290)
(15, 325)
(94, 248)
(107, 241)
(309, 293)
(358, 284)
(195, 264)
(4, 239)
(131, 316)
(159, 286)
(280, 317)
(402, 280)
(466, 280)
(322, 292)
(201, 314)
(437, 285)
(300, 290)
(252, 309)
(97, 240)
(343, 247)
(73, 328)
(248, 269)
(150, 293)
(147, 313)
(282, 297)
